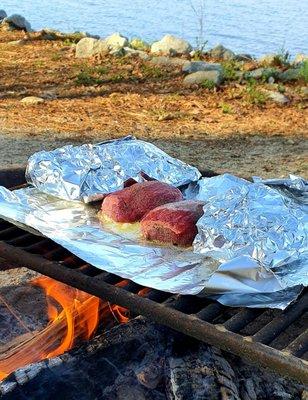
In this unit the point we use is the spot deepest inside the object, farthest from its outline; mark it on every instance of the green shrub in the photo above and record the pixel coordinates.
(282, 59)
(151, 71)
(208, 84)
(254, 95)
(86, 79)
(139, 44)
(304, 71)
(226, 108)
(230, 69)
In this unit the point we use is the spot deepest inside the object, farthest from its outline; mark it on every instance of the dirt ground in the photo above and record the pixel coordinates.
(90, 100)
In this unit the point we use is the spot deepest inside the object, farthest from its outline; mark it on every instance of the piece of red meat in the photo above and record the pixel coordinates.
(132, 203)
(173, 223)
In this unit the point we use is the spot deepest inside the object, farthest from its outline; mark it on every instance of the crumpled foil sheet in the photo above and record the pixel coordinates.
(90, 171)
(251, 249)
(254, 220)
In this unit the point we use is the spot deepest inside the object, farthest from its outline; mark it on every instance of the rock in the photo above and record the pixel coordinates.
(243, 57)
(300, 58)
(271, 80)
(260, 73)
(3, 15)
(221, 53)
(116, 41)
(168, 61)
(195, 66)
(291, 74)
(17, 21)
(139, 44)
(276, 97)
(304, 92)
(268, 59)
(117, 52)
(171, 45)
(129, 52)
(32, 100)
(88, 47)
(200, 76)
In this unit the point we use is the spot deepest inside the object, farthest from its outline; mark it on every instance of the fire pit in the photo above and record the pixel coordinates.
(267, 338)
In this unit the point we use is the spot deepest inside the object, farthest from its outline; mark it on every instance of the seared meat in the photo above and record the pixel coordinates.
(173, 223)
(133, 202)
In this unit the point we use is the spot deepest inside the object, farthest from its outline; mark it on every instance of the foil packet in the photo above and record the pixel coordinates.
(88, 172)
(251, 245)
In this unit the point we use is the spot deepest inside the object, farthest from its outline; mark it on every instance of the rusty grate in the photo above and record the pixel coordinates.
(271, 338)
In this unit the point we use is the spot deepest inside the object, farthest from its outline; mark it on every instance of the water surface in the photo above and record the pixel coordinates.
(253, 26)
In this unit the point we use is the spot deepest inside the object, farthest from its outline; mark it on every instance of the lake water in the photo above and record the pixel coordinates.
(253, 26)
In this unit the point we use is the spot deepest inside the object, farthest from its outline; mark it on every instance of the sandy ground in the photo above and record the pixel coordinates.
(274, 156)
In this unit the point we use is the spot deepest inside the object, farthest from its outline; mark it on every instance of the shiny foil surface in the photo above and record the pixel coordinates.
(251, 247)
(88, 172)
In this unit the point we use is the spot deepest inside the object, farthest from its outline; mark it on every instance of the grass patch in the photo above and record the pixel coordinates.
(282, 59)
(230, 69)
(86, 79)
(254, 95)
(226, 108)
(151, 71)
(55, 57)
(304, 71)
(208, 84)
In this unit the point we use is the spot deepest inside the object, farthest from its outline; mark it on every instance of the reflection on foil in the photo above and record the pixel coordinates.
(90, 171)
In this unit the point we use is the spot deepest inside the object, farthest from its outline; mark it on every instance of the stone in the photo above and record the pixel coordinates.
(139, 44)
(291, 74)
(32, 100)
(243, 57)
(304, 92)
(260, 73)
(195, 66)
(171, 45)
(88, 47)
(277, 97)
(200, 76)
(169, 61)
(300, 58)
(17, 21)
(3, 15)
(268, 59)
(116, 41)
(129, 52)
(221, 53)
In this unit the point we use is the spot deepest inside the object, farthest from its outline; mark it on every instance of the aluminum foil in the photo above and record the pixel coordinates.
(251, 247)
(254, 220)
(75, 226)
(90, 171)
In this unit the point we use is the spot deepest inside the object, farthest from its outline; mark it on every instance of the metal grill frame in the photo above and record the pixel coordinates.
(173, 311)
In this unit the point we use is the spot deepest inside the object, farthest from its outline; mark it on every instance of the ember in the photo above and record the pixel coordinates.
(73, 317)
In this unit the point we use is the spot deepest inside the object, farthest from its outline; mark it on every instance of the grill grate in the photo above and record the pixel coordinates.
(271, 338)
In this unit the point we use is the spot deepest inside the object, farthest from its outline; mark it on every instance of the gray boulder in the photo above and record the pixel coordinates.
(17, 21)
(260, 73)
(88, 47)
(3, 15)
(116, 41)
(168, 61)
(195, 66)
(291, 74)
(200, 76)
(243, 57)
(277, 97)
(221, 53)
(171, 45)
(129, 52)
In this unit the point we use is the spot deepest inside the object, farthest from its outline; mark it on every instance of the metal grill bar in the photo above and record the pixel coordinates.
(191, 325)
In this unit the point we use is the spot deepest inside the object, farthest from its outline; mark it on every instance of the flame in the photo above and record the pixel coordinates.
(73, 316)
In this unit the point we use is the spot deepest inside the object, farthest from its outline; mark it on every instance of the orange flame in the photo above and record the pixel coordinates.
(73, 316)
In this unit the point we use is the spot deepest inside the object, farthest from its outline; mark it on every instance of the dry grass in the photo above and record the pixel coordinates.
(125, 95)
